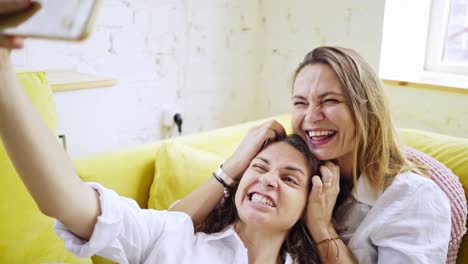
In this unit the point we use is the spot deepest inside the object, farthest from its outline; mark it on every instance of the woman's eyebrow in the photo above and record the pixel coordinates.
(262, 159)
(327, 93)
(289, 167)
(298, 97)
(292, 168)
(324, 94)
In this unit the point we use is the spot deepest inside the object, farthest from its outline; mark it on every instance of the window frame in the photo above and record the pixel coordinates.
(439, 17)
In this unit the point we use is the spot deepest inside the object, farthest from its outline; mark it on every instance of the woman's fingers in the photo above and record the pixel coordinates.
(255, 139)
(8, 6)
(335, 170)
(275, 127)
(271, 130)
(317, 187)
(330, 175)
(322, 198)
(327, 175)
(9, 42)
(278, 128)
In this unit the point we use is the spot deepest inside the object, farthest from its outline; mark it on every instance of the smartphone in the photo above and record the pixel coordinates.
(52, 19)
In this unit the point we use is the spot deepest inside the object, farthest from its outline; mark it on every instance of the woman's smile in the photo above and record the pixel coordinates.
(319, 137)
(261, 199)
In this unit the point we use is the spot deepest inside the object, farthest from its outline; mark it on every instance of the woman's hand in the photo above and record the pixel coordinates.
(9, 6)
(10, 42)
(252, 143)
(321, 202)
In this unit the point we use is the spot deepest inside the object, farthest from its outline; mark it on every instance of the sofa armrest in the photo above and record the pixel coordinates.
(129, 172)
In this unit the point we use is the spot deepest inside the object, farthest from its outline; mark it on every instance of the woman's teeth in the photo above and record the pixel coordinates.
(258, 198)
(317, 133)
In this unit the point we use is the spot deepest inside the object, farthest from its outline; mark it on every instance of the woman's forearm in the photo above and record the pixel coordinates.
(39, 159)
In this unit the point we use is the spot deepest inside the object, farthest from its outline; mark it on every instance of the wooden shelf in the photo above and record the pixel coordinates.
(66, 80)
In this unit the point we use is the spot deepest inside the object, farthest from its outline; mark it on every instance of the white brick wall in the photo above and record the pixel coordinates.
(222, 61)
(200, 55)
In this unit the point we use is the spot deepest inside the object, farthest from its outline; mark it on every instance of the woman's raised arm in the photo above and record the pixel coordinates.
(205, 198)
(41, 162)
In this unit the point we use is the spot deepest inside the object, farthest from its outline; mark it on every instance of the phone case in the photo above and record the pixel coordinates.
(52, 19)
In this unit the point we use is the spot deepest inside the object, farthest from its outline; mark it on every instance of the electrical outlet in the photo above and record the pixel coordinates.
(167, 115)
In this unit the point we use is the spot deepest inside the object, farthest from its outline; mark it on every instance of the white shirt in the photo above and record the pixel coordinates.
(125, 233)
(408, 223)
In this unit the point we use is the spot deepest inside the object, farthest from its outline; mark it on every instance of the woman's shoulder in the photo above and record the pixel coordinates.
(413, 181)
(410, 188)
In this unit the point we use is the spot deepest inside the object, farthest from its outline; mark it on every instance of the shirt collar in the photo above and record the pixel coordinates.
(364, 192)
(230, 231)
(226, 232)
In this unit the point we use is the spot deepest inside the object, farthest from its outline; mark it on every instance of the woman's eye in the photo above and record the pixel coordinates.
(290, 179)
(298, 103)
(330, 101)
(259, 167)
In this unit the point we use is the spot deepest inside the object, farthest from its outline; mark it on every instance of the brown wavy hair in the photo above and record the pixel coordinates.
(298, 243)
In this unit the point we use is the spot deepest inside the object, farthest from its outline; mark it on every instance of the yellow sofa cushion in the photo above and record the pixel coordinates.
(179, 170)
(26, 234)
(129, 172)
(451, 151)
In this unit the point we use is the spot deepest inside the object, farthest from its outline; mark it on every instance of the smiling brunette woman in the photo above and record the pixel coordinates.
(268, 206)
(388, 209)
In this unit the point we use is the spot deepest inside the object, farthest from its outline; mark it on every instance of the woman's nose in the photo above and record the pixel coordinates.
(314, 113)
(269, 180)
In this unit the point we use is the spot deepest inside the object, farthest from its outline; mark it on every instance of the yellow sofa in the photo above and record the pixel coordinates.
(152, 175)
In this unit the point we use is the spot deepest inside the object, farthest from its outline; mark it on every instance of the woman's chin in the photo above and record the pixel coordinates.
(255, 218)
(324, 154)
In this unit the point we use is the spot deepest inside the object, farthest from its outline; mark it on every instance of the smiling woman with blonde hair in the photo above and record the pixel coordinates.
(376, 149)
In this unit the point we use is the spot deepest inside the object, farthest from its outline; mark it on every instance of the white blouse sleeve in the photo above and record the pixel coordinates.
(416, 224)
(124, 232)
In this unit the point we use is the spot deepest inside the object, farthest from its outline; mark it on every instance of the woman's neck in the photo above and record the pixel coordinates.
(262, 246)
(346, 168)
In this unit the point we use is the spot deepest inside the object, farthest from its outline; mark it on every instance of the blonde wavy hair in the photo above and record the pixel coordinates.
(377, 151)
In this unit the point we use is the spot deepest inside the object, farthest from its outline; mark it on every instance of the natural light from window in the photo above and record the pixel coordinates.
(447, 47)
(456, 39)
(426, 42)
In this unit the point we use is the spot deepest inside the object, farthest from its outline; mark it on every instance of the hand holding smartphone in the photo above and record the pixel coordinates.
(51, 19)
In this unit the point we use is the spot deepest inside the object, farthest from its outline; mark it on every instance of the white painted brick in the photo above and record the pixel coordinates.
(115, 14)
(223, 61)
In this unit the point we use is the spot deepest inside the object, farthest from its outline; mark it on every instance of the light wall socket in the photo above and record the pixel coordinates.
(167, 115)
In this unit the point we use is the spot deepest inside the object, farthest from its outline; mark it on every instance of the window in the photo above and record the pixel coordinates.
(447, 46)
(425, 42)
